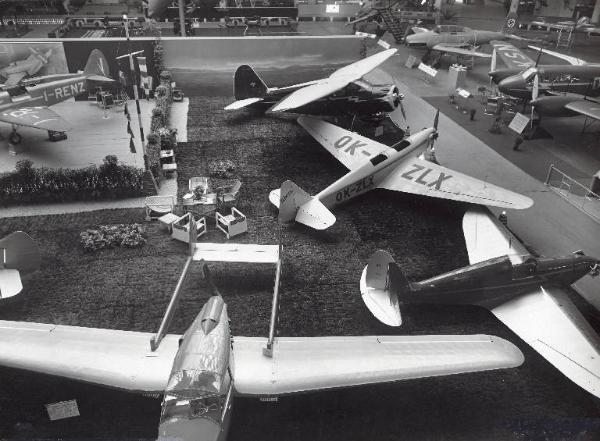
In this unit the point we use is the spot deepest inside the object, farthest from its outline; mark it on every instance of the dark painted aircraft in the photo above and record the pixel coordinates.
(344, 92)
(527, 293)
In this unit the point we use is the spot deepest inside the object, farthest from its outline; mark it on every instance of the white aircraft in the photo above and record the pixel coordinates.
(18, 254)
(526, 293)
(373, 165)
(199, 373)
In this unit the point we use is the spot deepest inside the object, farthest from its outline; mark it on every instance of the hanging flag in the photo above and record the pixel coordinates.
(129, 129)
(122, 78)
(144, 82)
(126, 112)
(132, 145)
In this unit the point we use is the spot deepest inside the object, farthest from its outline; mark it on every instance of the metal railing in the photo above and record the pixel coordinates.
(576, 193)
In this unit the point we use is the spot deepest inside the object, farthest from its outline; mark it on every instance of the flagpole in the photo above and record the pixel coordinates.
(135, 91)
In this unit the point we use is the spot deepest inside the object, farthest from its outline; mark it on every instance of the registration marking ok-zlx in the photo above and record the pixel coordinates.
(420, 179)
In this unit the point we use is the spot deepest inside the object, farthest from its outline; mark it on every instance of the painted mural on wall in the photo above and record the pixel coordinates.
(23, 60)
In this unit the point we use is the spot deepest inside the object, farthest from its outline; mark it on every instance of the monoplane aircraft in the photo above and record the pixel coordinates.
(18, 254)
(373, 165)
(200, 372)
(460, 40)
(527, 293)
(16, 71)
(342, 93)
(27, 105)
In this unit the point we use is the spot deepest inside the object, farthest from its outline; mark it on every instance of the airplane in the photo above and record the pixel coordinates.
(516, 81)
(342, 93)
(373, 165)
(200, 372)
(460, 40)
(28, 104)
(16, 71)
(582, 25)
(18, 254)
(525, 292)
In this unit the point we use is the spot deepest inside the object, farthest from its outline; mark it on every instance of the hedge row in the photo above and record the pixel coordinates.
(40, 185)
(161, 136)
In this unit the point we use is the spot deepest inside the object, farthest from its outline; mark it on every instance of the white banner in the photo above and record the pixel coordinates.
(428, 70)
(383, 44)
(519, 123)
(62, 409)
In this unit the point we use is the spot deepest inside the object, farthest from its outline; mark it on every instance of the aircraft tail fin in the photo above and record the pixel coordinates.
(96, 68)
(510, 23)
(247, 84)
(296, 204)
(382, 285)
(18, 252)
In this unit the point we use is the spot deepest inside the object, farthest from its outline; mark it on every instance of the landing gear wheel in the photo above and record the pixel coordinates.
(15, 138)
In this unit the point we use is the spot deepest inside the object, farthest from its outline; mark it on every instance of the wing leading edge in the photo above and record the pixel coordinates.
(315, 363)
(551, 324)
(37, 117)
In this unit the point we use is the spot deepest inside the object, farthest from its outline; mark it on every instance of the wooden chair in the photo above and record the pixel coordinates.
(232, 224)
(181, 227)
(229, 194)
(158, 206)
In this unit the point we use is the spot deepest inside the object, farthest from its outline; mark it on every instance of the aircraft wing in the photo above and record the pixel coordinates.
(118, 359)
(548, 321)
(459, 51)
(336, 81)
(584, 107)
(571, 60)
(417, 176)
(36, 117)
(315, 363)
(350, 148)
(513, 57)
(487, 238)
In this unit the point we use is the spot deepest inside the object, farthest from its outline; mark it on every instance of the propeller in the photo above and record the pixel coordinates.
(434, 135)
(493, 64)
(402, 107)
(535, 91)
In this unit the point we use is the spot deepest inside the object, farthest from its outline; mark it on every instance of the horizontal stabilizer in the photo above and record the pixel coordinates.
(243, 103)
(378, 291)
(10, 283)
(315, 215)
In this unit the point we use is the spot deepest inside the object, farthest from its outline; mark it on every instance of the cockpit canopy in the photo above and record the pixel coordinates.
(449, 29)
(529, 73)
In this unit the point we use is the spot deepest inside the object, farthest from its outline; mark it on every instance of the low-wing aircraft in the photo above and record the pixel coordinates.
(525, 292)
(460, 40)
(28, 104)
(373, 165)
(576, 77)
(582, 25)
(344, 92)
(18, 255)
(16, 71)
(200, 372)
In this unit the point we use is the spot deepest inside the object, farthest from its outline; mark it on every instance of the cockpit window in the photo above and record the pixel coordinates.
(529, 73)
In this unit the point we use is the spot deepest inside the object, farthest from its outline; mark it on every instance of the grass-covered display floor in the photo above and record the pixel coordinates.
(130, 288)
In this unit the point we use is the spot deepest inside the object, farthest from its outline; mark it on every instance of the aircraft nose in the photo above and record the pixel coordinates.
(507, 85)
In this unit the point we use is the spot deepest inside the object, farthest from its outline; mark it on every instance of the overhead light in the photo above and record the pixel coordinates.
(124, 16)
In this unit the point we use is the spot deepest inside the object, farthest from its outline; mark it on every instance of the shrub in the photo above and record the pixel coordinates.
(111, 236)
(39, 185)
(221, 169)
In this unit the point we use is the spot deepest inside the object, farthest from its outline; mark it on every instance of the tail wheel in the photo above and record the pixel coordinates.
(15, 138)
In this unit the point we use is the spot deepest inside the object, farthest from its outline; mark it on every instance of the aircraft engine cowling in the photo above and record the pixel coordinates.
(393, 98)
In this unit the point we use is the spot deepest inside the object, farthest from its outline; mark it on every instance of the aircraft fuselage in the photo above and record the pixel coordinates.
(373, 172)
(42, 95)
(494, 281)
(583, 80)
(465, 38)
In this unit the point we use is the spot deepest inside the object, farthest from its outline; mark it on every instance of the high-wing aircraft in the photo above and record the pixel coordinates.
(525, 292)
(343, 92)
(27, 104)
(460, 40)
(16, 71)
(18, 255)
(373, 165)
(200, 372)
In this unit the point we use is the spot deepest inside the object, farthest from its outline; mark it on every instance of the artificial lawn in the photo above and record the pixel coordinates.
(130, 288)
